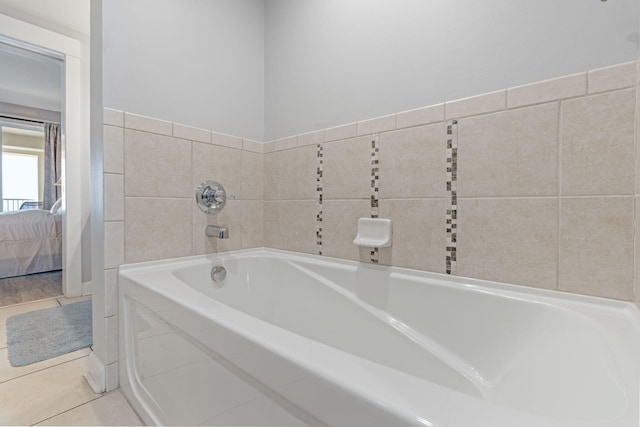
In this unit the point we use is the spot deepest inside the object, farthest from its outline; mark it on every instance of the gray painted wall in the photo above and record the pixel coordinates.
(197, 62)
(273, 68)
(330, 62)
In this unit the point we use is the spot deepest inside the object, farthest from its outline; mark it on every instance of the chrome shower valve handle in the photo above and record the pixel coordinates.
(211, 197)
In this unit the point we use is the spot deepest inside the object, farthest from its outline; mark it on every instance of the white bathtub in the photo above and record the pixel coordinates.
(293, 339)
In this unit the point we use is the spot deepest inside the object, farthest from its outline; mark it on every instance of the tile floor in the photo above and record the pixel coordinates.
(54, 391)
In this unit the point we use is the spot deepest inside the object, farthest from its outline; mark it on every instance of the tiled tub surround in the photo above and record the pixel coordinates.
(162, 164)
(546, 189)
(545, 185)
(151, 171)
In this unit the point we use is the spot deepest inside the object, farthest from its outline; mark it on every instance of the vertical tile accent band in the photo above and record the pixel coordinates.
(320, 162)
(452, 190)
(375, 188)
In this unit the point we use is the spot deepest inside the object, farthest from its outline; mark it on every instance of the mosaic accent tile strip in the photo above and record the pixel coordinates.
(375, 189)
(452, 190)
(320, 162)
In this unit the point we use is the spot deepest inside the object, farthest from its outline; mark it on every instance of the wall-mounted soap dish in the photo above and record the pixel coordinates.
(374, 233)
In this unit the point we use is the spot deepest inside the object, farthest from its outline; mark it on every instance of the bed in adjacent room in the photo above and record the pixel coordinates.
(30, 241)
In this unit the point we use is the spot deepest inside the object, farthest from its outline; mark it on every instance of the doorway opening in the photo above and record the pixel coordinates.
(31, 173)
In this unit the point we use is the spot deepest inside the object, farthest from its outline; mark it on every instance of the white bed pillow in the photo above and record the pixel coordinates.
(57, 206)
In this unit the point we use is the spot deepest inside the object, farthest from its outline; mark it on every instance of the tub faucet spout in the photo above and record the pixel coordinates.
(217, 231)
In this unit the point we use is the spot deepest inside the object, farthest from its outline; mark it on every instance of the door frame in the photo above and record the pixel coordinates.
(21, 32)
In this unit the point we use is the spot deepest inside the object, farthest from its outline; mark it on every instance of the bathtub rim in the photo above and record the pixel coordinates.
(631, 309)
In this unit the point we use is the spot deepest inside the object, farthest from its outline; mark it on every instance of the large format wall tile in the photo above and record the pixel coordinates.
(509, 240)
(201, 244)
(298, 226)
(113, 197)
(596, 246)
(113, 150)
(598, 144)
(252, 224)
(230, 217)
(637, 147)
(156, 166)
(272, 220)
(290, 174)
(157, 228)
(300, 173)
(636, 235)
(114, 244)
(221, 164)
(346, 170)
(412, 162)
(273, 176)
(291, 225)
(340, 225)
(418, 234)
(513, 153)
(252, 174)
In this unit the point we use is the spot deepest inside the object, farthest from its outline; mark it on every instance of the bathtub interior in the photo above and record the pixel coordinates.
(513, 347)
(308, 305)
(530, 351)
(570, 359)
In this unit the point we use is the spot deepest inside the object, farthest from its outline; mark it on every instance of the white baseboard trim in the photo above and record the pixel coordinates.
(87, 288)
(96, 374)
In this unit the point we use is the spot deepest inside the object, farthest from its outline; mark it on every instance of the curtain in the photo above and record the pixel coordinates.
(52, 164)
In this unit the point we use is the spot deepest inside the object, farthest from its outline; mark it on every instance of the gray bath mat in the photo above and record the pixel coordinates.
(43, 334)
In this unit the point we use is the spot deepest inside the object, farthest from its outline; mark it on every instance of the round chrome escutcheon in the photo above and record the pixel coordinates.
(218, 273)
(211, 197)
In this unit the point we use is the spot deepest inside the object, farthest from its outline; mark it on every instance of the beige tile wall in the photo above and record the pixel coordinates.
(547, 186)
(151, 171)
(546, 179)
(152, 196)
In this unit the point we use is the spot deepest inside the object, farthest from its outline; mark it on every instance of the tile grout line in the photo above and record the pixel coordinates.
(45, 368)
(375, 189)
(634, 227)
(70, 409)
(225, 411)
(559, 190)
(452, 190)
